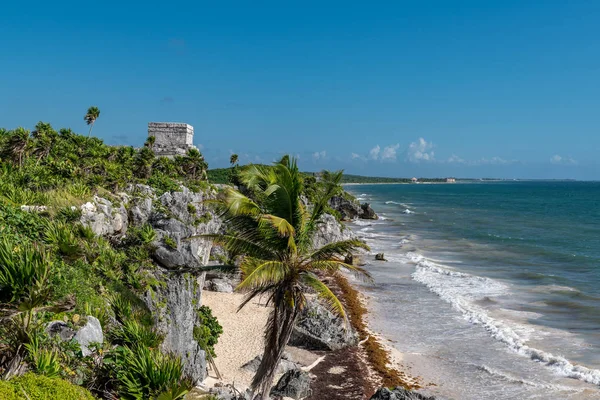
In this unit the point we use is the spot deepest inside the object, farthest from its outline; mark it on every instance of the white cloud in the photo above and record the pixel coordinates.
(319, 155)
(357, 157)
(374, 153)
(456, 159)
(560, 160)
(420, 151)
(389, 152)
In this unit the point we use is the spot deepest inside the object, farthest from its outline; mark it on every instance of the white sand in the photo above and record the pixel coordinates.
(242, 338)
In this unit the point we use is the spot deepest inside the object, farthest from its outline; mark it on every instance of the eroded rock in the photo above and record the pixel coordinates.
(90, 333)
(398, 394)
(294, 384)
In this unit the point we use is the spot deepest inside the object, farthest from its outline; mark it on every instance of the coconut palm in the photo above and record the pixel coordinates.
(274, 234)
(194, 164)
(91, 116)
(233, 159)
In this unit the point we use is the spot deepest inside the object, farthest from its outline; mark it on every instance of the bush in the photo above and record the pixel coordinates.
(208, 332)
(37, 387)
(143, 373)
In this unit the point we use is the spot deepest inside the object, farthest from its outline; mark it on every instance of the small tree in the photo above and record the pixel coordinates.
(91, 116)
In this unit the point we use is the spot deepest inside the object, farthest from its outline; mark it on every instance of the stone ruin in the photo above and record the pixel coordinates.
(171, 138)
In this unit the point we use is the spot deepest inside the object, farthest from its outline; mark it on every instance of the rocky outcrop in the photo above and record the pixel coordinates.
(175, 217)
(368, 212)
(60, 328)
(174, 306)
(348, 209)
(104, 217)
(330, 230)
(319, 329)
(90, 333)
(286, 364)
(352, 209)
(294, 384)
(398, 394)
(380, 257)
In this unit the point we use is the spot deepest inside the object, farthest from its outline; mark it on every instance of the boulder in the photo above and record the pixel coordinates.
(368, 212)
(319, 329)
(90, 333)
(35, 209)
(104, 218)
(349, 210)
(398, 394)
(60, 328)
(286, 364)
(294, 384)
(220, 285)
(355, 259)
(380, 257)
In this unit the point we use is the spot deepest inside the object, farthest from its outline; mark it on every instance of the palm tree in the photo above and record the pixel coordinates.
(274, 233)
(92, 115)
(150, 141)
(233, 159)
(194, 163)
(17, 145)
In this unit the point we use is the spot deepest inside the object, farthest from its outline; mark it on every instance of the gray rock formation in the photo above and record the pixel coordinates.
(330, 230)
(219, 285)
(352, 209)
(104, 217)
(380, 257)
(179, 216)
(349, 210)
(60, 328)
(398, 394)
(294, 384)
(286, 364)
(319, 329)
(90, 333)
(174, 307)
(368, 212)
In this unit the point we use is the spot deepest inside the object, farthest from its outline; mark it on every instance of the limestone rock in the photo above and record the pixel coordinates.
(368, 212)
(319, 329)
(220, 285)
(349, 210)
(35, 209)
(380, 257)
(103, 217)
(91, 332)
(174, 306)
(286, 364)
(398, 394)
(330, 230)
(294, 384)
(60, 328)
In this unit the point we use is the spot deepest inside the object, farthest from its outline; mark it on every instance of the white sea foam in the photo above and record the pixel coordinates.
(515, 379)
(360, 222)
(407, 211)
(462, 290)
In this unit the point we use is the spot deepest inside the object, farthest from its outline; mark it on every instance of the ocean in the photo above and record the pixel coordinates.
(491, 289)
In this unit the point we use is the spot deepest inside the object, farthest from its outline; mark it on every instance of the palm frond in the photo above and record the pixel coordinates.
(334, 304)
(338, 249)
(265, 273)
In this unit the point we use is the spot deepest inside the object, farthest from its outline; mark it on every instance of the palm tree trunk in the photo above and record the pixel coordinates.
(283, 321)
(91, 126)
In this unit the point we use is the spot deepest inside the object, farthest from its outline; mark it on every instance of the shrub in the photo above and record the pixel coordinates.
(37, 387)
(191, 208)
(208, 332)
(132, 332)
(143, 373)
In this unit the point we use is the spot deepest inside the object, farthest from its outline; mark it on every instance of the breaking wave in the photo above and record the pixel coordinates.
(463, 290)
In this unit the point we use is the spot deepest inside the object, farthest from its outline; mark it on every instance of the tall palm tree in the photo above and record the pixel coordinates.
(233, 159)
(91, 116)
(194, 164)
(274, 233)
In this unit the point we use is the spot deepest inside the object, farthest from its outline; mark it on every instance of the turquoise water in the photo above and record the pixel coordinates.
(507, 273)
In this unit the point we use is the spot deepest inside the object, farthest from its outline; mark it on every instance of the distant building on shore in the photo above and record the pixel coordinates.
(171, 138)
(414, 180)
(450, 180)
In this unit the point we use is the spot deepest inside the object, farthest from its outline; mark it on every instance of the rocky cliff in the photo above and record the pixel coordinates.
(174, 216)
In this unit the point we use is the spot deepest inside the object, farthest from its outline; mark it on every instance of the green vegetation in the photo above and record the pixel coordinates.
(36, 387)
(208, 332)
(53, 268)
(274, 231)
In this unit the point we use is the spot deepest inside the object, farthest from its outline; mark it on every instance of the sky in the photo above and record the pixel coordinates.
(502, 89)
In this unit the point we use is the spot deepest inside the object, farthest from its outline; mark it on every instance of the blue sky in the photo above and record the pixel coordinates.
(432, 88)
